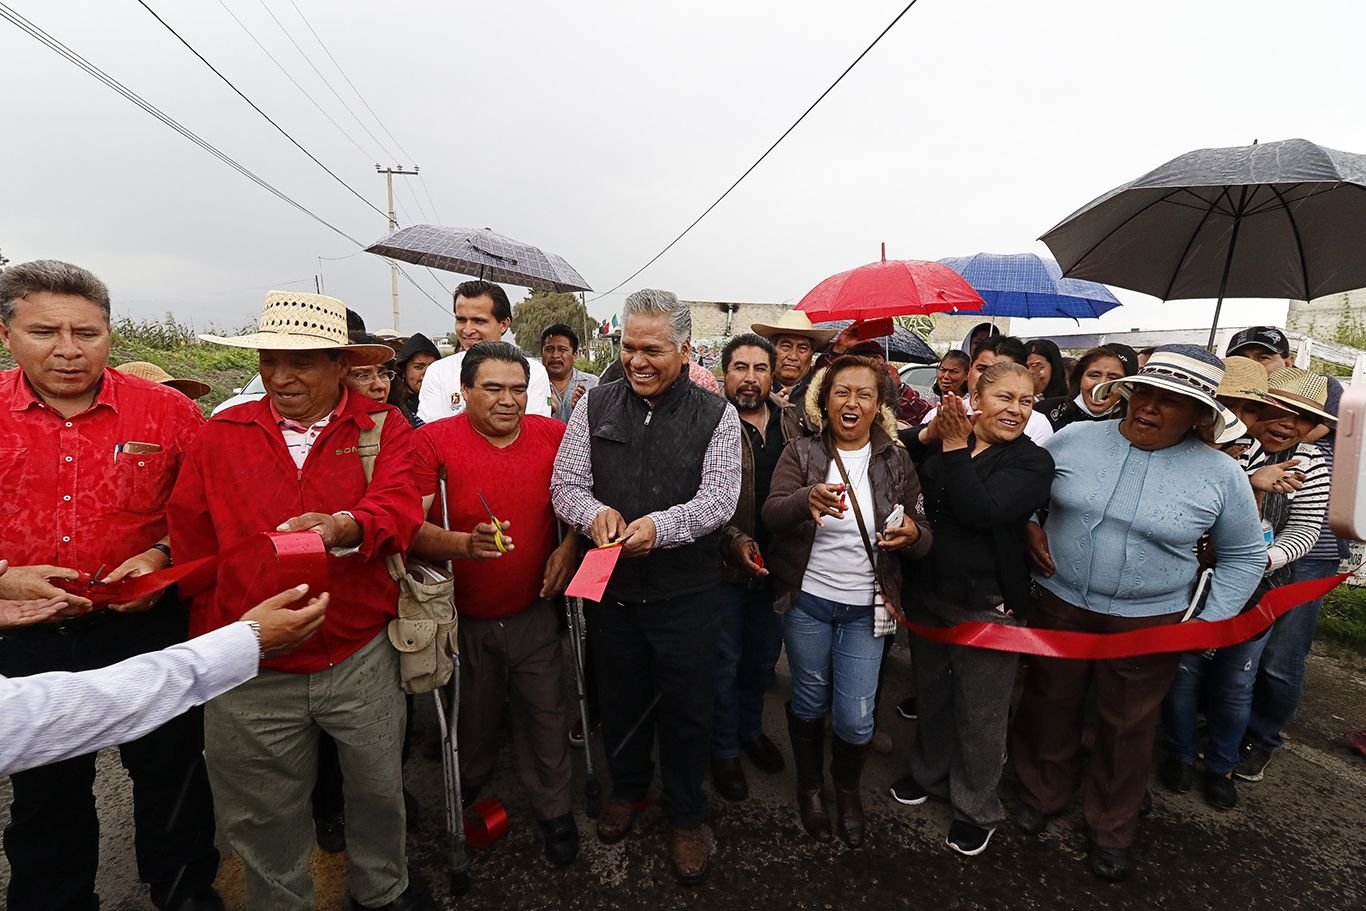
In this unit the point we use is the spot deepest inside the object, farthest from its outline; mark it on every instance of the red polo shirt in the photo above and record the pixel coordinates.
(65, 498)
(516, 482)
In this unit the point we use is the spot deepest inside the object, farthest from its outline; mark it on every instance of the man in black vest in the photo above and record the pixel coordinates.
(653, 464)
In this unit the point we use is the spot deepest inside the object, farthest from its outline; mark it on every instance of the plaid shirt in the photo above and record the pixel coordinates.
(571, 484)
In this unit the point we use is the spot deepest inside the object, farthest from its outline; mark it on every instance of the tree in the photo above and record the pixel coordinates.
(540, 309)
(3, 261)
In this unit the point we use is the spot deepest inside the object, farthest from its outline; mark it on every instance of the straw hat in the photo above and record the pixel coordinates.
(1300, 391)
(1186, 370)
(302, 321)
(795, 322)
(148, 371)
(1244, 379)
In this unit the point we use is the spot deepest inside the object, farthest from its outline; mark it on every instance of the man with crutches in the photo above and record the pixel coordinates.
(507, 570)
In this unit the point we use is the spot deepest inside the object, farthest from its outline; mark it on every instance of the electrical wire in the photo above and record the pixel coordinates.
(670, 245)
(255, 107)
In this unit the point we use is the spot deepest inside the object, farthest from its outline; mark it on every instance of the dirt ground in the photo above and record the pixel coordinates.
(1297, 839)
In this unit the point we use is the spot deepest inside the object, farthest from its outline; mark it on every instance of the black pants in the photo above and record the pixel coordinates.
(669, 648)
(53, 838)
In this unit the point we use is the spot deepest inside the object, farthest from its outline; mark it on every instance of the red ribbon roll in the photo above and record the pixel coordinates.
(1195, 636)
(485, 823)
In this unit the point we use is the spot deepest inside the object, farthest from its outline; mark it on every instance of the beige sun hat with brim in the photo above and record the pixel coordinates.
(302, 321)
(1300, 391)
(1186, 370)
(795, 322)
(148, 371)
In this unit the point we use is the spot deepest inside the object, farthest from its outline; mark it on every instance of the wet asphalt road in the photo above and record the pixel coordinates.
(1297, 840)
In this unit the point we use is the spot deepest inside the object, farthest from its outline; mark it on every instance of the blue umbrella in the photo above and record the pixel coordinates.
(1025, 285)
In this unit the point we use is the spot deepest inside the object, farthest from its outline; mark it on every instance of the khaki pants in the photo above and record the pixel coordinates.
(514, 664)
(261, 743)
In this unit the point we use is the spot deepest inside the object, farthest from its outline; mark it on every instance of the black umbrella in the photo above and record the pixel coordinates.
(903, 345)
(1280, 219)
(481, 253)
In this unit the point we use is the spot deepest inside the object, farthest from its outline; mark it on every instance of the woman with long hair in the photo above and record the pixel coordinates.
(1099, 365)
(1045, 364)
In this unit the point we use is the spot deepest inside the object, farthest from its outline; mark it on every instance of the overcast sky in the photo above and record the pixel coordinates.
(598, 130)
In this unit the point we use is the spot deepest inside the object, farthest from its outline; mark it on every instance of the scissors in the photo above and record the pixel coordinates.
(498, 540)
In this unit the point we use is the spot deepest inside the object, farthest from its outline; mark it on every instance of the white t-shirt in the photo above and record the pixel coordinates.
(441, 396)
(838, 569)
(1037, 427)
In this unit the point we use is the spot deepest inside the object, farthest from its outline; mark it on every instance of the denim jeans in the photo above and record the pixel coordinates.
(751, 638)
(1222, 687)
(834, 660)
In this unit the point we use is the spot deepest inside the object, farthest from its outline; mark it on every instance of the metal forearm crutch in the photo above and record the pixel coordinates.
(457, 857)
(592, 791)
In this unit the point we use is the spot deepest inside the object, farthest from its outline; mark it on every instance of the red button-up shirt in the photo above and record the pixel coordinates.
(65, 499)
(239, 480)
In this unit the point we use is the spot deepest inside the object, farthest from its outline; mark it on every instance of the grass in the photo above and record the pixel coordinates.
(1343, 618)
(173, 347)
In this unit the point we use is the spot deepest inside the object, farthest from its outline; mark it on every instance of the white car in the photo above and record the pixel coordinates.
(920, 377)
(253, 390)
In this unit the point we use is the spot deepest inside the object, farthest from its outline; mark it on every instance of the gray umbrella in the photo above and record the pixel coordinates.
(1279, 219)
(903, 345)
(482, 253)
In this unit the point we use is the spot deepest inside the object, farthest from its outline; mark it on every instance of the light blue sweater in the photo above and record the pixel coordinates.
(1123, 524)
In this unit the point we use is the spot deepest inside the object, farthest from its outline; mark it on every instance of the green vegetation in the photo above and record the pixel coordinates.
(540, 309)
(1343, 619)
(173, 347)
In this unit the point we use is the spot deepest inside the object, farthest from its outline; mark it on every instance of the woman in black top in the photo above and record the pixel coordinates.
(417, 354)
(982, 481)
(1099, 365)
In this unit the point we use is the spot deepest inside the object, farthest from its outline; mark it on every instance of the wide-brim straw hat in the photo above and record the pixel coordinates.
(302, 321)
(1300, 391)
(795, 322)
(1245, 379)
(148, 371)
(1186, 370)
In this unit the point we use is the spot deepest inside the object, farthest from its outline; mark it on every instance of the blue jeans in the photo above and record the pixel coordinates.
(1281, 676)
(834, 661)
(751, 638)
(1222, 686)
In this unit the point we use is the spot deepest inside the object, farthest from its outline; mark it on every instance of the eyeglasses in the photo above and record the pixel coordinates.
(370, 375)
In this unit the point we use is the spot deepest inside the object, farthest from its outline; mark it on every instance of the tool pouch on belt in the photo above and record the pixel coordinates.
(425, 630)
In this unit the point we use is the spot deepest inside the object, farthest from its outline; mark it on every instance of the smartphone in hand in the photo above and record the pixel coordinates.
(895, 518)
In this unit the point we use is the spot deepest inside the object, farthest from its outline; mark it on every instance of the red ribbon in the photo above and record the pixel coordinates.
(294, 558)
(485, 823)
(1171, 637)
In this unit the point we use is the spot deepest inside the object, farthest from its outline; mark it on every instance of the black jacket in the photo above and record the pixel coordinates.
(399, 396)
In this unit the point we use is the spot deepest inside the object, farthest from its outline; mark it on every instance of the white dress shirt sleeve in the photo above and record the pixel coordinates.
(49, 717)
(538, 397)
(441, 385)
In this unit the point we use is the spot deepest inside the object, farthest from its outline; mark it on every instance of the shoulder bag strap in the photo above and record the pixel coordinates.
(858, 513)
(368, 447)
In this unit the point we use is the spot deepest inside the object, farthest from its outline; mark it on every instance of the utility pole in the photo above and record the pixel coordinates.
(393, 226)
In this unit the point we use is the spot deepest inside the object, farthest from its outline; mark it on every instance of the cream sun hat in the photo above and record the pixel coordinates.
(302, 321)
(148, 371)
(794, 322)
(1186, 370)
(1300, 391)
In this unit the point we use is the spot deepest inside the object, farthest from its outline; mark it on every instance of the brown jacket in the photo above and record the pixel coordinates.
(804, 464)
(739, 531)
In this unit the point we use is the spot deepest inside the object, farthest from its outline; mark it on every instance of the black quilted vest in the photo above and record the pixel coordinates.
(646, 460)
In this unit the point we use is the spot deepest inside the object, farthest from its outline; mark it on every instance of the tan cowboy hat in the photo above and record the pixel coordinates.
(1245, 379)
(302, 321)
(148, 371)
(1300, 391)
(795, 322)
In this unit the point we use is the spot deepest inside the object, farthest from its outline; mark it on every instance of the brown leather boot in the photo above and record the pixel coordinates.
(615, 819)
(691, 850)
(846, 770)
(808, 757)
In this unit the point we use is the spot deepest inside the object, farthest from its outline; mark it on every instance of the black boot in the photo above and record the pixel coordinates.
(808, 755)
(846, 770)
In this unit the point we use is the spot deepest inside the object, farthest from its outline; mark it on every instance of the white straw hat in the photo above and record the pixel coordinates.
(149, 371)
(1186, 370)
(302, 321)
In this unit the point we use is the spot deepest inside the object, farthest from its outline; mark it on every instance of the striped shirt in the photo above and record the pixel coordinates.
(1307, 505)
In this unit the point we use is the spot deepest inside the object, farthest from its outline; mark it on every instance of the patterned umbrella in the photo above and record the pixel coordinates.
(1025, 285)
(482, 253)
(903, 345)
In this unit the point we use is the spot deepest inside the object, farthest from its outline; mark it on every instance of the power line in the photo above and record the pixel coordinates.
(282, 131)
(49, 41)
(761, 158)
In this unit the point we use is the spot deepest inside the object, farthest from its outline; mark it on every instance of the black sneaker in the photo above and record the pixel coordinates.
(968, 839)
(1220, 792)
(906, 709)
(1178, 776)
(907, 791)
(1252, 763)
(561, 836)
(1110, 864)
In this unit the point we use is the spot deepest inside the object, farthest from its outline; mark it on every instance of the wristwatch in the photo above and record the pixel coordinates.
(256, 628)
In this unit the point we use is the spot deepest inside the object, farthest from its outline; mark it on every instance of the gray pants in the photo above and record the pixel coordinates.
(514, 665)
(261, 743)
(963, 698)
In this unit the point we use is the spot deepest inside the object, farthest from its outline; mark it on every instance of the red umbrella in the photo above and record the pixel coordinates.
(902, 287)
